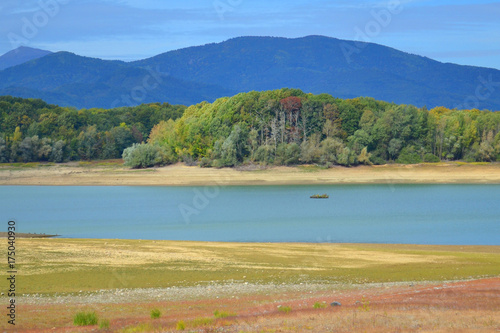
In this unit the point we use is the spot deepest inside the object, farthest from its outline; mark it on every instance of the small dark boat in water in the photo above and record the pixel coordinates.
(320, 196)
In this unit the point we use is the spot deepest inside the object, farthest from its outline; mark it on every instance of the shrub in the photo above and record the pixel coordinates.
(223, 314)
(287, 154)
(144, 327)
(202, 322)
(155, 314)
(104, 324)
(188, 160)
(377, 160)
(144, 155)
(285, 309)
(409, 156)
(319, 305)
(310, 151)
(205, 162)
(85, 319)
(365, 305)
(431, 158)
(181, 325)
(364, 157)
(265, 154)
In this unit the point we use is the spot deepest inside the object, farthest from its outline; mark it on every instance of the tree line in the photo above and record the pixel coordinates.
(32, 130)
(289, 127)
(280, 127)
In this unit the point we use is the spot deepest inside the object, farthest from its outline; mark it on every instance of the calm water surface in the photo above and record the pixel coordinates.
(417, 214)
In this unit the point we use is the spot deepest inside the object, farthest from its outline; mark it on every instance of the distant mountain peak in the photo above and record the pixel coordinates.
(314, 64)
(21, 55)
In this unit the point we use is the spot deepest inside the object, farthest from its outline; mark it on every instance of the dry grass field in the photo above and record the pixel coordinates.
(255, 287)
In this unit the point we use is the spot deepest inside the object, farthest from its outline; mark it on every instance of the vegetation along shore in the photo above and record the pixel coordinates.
(279, 128)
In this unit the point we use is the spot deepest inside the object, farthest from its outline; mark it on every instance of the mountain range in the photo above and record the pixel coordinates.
(314, 64)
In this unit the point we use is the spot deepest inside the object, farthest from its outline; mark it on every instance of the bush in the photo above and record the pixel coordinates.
(144, 155)
(431, 158)
(310, 151)
(265, 154)
(223, 314)
(181, 325)
(155, 314)
(104, 324)
(188, 160)
(202, 322)
(409, 156)
(85, 319)
(205, 162)
(285, 309)
(377, 160)
(319, 305)
(287, 154)
(364, 157)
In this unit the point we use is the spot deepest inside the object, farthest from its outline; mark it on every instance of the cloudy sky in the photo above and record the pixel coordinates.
(460, 31)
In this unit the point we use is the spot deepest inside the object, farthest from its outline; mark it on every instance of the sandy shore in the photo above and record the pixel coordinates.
(181, 175)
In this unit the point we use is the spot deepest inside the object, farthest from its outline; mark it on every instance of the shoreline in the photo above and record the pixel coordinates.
(115, 174)
(4, 234)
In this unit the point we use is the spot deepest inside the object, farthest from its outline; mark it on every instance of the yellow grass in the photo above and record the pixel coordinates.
(72, 265)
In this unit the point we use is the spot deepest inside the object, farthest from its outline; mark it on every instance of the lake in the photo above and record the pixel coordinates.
(413, 214)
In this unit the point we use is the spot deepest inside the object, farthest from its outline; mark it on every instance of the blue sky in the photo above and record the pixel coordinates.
(461, 31)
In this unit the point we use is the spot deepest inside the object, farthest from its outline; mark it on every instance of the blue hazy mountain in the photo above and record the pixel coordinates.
(21, 55)
(315, 64)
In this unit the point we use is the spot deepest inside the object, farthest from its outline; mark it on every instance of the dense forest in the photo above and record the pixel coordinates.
(32, 130)
(287, 127)
(280, 127)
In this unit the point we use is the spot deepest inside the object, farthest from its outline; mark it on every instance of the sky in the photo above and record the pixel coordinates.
(461, 31)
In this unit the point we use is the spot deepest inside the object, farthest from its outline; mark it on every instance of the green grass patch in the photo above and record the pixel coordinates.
(285, 309)
(201, 322)
(155, 314)
(144, 327)
(29, 165)
(104, 324)
(223, 314)
(85, 319)
(180, 326)
(319, 305)
(311, 168)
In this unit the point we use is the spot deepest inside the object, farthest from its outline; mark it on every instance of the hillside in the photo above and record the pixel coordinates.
(318, 64)
(67, 79)
(314, 64)
(21, 55)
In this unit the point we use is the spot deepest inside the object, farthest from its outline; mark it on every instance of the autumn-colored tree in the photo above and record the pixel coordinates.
(292, 106)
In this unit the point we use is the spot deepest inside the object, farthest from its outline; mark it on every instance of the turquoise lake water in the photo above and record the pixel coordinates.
(413, 214)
